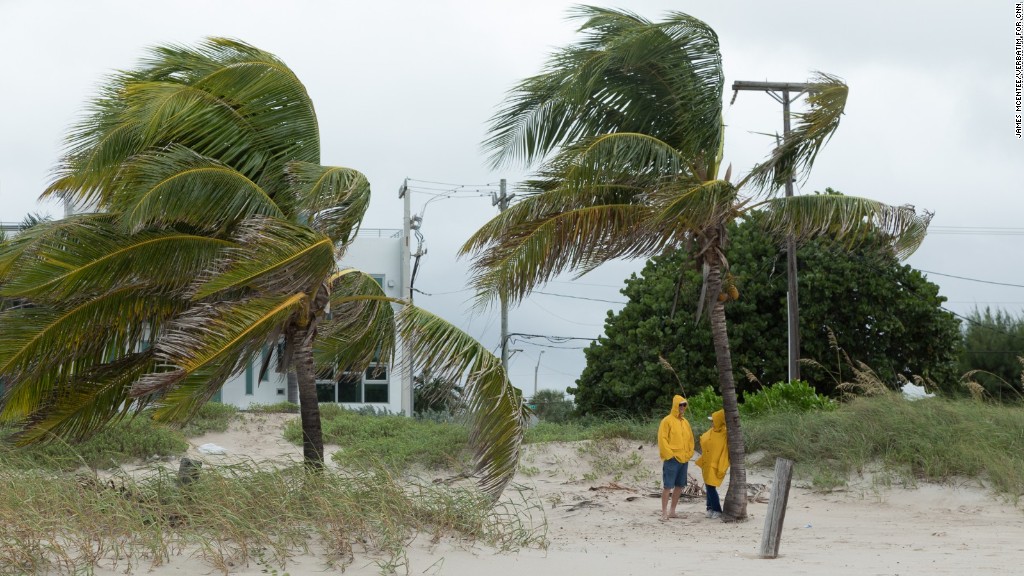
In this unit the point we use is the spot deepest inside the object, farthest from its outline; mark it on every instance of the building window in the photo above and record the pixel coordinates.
(325, 392)
(350, 387)
(354, 387)
(265, 361)
(248, 379)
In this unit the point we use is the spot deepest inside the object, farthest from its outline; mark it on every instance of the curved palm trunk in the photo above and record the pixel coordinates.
(309, 409)
(735, 504)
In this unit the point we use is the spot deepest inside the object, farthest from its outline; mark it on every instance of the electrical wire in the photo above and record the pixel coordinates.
(972, 279)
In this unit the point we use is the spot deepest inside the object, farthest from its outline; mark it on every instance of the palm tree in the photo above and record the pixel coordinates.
(626, 128)
(216, 232)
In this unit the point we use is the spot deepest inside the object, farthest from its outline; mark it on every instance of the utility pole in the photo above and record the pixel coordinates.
(535, 370)
(407, 382)
(502, 203)
(785, 93)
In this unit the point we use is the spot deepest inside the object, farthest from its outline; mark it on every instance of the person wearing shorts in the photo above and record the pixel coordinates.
(675, 445)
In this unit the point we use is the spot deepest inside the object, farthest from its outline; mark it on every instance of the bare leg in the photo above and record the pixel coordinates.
(675, 500)
(664, 503)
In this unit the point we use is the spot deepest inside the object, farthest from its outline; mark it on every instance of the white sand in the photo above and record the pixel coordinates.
(607, 523)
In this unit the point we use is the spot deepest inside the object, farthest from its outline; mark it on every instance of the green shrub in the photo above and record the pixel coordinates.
(703, 404)
(794, 396)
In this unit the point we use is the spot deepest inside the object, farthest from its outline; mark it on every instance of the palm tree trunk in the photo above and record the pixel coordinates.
(309, 409)
(735, 504)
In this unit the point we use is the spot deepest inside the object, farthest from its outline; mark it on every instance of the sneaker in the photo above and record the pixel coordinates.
(708, 514)
(715, 515)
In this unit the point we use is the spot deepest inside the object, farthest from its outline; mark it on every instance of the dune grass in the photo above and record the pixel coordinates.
(391, 441)
(133, 438)
(58, 522)
(931, 439)
(237, 515)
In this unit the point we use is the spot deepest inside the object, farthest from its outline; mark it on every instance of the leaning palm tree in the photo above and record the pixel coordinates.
(626, 129)
(213, 232)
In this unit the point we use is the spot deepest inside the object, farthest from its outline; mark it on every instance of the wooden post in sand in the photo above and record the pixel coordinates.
(772, 534)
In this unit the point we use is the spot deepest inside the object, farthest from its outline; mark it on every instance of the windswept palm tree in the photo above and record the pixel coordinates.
(215, 233)
(626, 129)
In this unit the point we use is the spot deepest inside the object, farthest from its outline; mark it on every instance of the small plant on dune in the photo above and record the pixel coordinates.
(794, 396)
(212, 417)
(276, 408)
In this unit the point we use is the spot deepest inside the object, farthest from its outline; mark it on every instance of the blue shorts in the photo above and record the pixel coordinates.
(673, 473)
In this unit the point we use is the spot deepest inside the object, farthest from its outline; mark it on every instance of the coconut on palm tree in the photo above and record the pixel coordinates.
(215, 232)
(625, 129)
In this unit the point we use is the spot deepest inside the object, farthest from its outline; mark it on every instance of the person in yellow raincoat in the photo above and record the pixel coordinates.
(675, 445)
(714, 461)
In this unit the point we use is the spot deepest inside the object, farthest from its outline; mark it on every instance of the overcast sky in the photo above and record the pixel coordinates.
(405, 89)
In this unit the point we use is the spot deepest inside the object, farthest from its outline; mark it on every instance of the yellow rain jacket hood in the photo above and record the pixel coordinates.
(714, 445)
(675, 438)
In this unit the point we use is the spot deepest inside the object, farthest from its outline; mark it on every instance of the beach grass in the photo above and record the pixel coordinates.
(390, 441)
(56, 521)
(930, 439)
(237, 515)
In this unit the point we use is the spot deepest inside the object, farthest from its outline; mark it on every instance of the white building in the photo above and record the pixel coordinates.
(377, 252)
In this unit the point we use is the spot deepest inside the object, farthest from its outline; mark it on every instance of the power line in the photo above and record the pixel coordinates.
(976, 230)
(562, 318)
(491, 184)
(578, 297)
(972, 279)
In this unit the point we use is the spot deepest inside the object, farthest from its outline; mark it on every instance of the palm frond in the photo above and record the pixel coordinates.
(270, 256)
(206, 344)
(334, 199)
(77, 257)
(826, 98)
(696, 208)
(26, 244)
(578, 240)
(613, 169)
(53, 338)
(225, 100)
(360, 328)
(175, 185)
(626, 75)
(845, 219)
(496, 407)
(89, 402)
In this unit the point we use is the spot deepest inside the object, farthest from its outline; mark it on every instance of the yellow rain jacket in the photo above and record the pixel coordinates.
(714, 445)
(675, 438)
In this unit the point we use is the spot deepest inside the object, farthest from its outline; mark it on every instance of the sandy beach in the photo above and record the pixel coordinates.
(597, 510)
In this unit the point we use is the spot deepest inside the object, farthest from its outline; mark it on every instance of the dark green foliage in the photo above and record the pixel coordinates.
(552, 406)
(994, 343)
(789, 397)
(882, 313)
